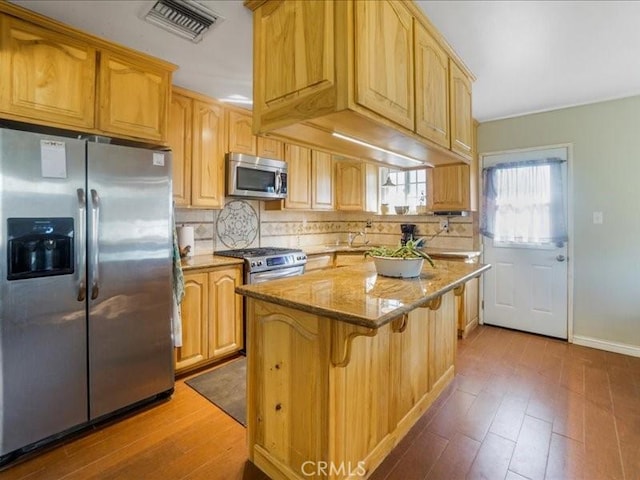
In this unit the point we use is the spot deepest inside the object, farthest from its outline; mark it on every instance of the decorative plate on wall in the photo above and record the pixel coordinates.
(237, 225)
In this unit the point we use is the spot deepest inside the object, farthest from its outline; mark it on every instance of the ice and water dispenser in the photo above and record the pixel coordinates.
(39, 247)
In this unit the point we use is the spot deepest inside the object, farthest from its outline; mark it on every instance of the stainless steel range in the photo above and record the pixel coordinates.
(264, 264)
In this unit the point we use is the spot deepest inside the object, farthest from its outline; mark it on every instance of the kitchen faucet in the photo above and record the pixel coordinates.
(353, 235)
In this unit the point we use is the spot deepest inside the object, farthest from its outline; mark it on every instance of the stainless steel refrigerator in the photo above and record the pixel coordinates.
(85, 283)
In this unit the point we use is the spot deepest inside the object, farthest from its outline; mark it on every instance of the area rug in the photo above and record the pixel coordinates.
(225, 387)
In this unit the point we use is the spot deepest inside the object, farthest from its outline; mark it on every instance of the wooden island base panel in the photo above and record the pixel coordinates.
(342, 363)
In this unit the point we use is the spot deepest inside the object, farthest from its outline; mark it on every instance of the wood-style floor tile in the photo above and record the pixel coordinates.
(521, 407)
(566, 459)
(446, 422)
(456, 459)
(509, 417)
(419, 458)
(532, 448)
(493, 458)
(478, 419)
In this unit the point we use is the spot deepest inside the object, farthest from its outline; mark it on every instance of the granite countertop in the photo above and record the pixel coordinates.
(208, 261)
(358, 295)
(434, 252)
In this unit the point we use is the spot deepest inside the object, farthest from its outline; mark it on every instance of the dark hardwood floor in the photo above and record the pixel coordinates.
(521, 406)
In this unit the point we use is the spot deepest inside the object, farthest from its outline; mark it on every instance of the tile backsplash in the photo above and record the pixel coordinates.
(245, 223)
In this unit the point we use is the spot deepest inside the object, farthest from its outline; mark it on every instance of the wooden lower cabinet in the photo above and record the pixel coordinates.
(468, 307)
(367, 387)
(211, 317)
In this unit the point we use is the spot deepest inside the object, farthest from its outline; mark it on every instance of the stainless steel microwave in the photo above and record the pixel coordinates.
(256, 177)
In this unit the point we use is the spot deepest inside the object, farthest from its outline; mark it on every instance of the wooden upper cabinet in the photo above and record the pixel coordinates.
(298, 177)
(55, 75)
(384, 59)
(450, 188)
(45, 76)
(322, 181)
(350, 185)
(225, 307)
(432, 88)
(134, 97)
(461, 120)
(371, 187)
(179, 136)
(240, 138)
(207, 171)
(293, 57)
(270, 148)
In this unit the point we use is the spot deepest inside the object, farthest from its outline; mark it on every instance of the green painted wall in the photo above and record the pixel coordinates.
(606, 178)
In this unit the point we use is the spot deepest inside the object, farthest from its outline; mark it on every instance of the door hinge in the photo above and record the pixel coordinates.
(482, 304)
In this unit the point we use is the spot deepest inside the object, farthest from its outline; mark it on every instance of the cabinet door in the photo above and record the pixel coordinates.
(225, 307)
(432, 88)
(241, 139)
(207, 171)
(450, 187)
(46, 77)
(322, 178)
(461, 121)
(349, 185)
(371, 188)
(471, 309)
(269, 148)
(180, 141)
(293, 61)
(134, 97)
(195, 319)
(298, 177)
(384, 60)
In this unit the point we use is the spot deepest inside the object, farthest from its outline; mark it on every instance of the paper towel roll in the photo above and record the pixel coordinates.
(186, 241)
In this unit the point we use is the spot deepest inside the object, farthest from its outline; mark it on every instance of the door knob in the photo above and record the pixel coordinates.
(561, 258)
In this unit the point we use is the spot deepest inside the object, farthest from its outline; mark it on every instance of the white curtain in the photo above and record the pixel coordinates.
(523, 202)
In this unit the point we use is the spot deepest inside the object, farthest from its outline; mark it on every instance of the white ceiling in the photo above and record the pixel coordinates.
(527, 56)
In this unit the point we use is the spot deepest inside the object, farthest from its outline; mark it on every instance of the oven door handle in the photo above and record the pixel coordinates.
(275, 274)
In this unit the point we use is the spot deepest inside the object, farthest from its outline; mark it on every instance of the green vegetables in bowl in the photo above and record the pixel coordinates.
(409, 250)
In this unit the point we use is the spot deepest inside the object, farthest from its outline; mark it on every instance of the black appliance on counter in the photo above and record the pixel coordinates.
(408, 232)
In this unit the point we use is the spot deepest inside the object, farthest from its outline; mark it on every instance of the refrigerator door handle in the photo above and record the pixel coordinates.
(81, 259)
(95, 218)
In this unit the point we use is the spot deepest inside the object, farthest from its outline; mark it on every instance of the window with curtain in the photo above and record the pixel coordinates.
(524, 203)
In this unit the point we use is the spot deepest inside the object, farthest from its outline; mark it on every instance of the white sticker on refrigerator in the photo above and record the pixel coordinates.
(158, 159)
(53, 159)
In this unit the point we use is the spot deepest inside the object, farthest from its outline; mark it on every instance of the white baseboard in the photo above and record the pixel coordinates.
(607, 345)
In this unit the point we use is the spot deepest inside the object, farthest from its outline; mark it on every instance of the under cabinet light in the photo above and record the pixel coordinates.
(380, 149)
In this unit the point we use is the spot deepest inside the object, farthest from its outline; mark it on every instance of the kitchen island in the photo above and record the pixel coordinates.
(342, 362)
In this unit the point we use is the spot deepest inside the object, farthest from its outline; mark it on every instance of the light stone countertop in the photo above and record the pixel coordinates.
(434, 252)
(208, 261)
(358, 295)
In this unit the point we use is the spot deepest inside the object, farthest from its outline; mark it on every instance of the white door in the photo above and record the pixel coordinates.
(526, 288)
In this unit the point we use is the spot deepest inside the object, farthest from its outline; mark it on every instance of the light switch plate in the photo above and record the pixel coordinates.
(598, 218)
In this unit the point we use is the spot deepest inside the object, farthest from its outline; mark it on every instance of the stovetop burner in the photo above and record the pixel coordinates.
(256, 252)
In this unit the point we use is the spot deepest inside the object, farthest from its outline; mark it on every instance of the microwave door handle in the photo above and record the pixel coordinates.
(278, 182)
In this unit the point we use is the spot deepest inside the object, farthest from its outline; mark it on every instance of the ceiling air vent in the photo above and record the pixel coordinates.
(186, 18)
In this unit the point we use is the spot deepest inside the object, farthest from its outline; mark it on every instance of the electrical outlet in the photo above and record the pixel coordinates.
(444, 224)
(369, 223)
